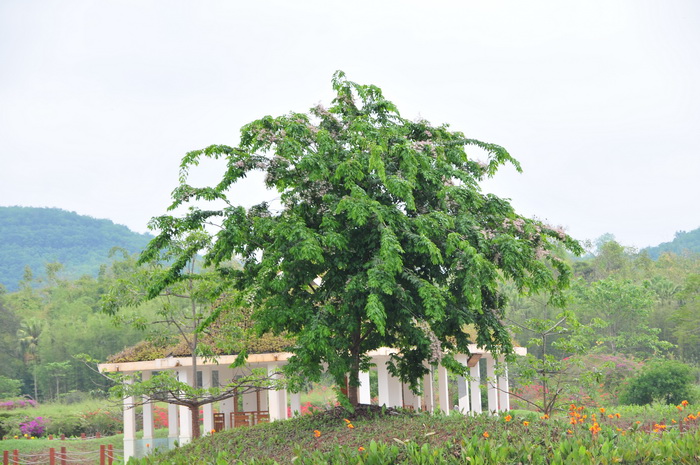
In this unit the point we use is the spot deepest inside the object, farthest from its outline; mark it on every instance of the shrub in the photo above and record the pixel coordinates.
(666, 381)
(101, 421)
(70, 425)
(33, 427)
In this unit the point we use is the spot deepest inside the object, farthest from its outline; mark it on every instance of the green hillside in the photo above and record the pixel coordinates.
(37, 236)
(684, 242)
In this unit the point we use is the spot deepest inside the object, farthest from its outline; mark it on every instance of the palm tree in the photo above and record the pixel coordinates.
(28, 338)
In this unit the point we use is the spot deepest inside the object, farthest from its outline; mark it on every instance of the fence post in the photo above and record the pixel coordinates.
(110, 457)
(6, 457)
(63, 455)
(15, 457)
(82, 435)
(52, 456)
(50, 437)
(63, 437)
(102, 454)
(98, 435)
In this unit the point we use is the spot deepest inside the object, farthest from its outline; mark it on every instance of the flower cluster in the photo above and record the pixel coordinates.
(35, 427)
(13, 404)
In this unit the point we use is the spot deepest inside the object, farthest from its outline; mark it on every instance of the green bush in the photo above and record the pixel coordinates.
(70, 425)
(9, 387)
(665, 381)
(101, 421)
(7, 424)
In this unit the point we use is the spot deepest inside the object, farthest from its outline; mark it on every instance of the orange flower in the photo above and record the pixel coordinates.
(673, 421)
(508, 418)
(526, 423)
(351, 426)
(317, 433)
(602, 410)
(679, 407)
(486, 434)
(361, 449)
(346, 420)
(611, 415)
(684, 403)
(617, 415)
(568, 431)
(544, 417)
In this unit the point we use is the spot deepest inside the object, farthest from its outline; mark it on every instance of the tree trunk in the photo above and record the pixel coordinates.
(194, 413)
(353, 396)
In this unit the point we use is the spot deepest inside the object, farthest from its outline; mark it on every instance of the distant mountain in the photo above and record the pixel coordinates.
(682, 243)
(37, 236)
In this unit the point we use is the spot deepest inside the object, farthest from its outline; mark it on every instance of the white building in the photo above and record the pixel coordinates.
(273, 405)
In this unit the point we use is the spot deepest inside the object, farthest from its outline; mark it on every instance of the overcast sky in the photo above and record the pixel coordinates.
(598, 100)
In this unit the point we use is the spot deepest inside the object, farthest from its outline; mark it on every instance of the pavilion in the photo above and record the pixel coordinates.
(273, 405)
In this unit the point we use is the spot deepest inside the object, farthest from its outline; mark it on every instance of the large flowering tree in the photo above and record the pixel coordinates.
(383, 238)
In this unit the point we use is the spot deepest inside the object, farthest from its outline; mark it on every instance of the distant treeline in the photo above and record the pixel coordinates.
(684, 242)
(35, 237)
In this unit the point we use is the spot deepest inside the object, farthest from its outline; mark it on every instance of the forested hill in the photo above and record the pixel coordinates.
(37, 236)
(682, 243)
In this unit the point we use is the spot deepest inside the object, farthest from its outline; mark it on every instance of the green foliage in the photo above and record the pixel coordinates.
(383, 237)
(35, 236)
(666, 381)
(623, 309)
(553, 376)
(9, 387)
(453, 439)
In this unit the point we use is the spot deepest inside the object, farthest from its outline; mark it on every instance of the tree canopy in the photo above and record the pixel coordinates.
(383, 237)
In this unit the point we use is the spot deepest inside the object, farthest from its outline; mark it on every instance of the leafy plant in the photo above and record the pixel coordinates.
(383, 238)
(666, 381)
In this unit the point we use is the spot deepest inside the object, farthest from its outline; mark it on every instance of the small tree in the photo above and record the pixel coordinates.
(183, 305)
(554, 375)
(28, 336)
(383, 237)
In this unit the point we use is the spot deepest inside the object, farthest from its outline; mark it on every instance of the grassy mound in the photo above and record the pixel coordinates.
(373, 435)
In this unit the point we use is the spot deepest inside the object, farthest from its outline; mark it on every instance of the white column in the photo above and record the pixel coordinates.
(504, 392)
(129, 426)
(207, 409)
(184, 412)
(428, 397)
(295, 403)
(382, 381)
(364, 395)
(395, 392)
(462, 387)
(277, 400)
(443, 391)
(147, 411)
(475, 386)
(491, 384)
(173, 423)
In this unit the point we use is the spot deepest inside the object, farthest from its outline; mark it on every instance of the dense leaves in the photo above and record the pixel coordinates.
(383, 237)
